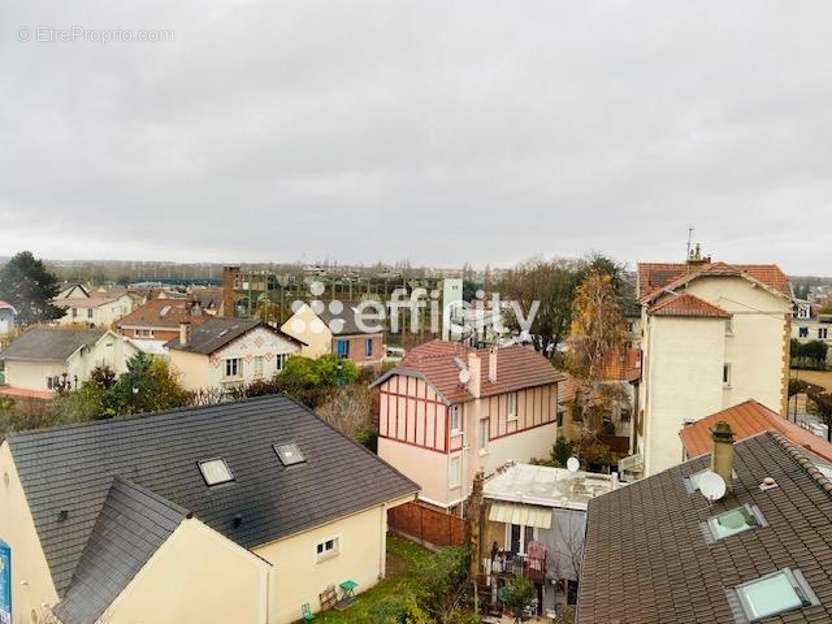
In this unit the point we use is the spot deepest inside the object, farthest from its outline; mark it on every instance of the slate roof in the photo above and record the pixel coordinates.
(646, 560)
(687, 305)
(654, 276)
(216, 332)
(437, 362)
(72, 468)
(131, 527)
(50, 345)
(748, 419)
(345, 323)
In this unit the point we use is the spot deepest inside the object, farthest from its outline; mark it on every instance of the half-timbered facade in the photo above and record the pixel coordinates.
(447, 412)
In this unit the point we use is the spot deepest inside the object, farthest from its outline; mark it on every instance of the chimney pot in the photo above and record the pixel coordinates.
(722, 457)
(184, 333)
(475, 368)
(492, 365)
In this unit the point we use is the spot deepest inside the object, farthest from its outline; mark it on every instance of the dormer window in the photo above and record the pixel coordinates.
(215, 471)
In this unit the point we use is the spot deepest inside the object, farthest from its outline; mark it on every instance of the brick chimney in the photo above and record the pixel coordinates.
(229, 279)
(184, 333)
(722, 457)
(492, 364)
(475, 367)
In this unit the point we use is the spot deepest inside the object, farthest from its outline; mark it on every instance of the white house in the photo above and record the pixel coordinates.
(95, 310)
(714, 335)
(227, 352)
(43, 360)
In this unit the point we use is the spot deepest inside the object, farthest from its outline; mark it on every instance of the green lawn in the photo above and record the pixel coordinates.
(401, 555)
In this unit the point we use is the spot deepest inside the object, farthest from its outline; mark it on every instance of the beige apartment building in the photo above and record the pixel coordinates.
(713, 335)
(448, 411)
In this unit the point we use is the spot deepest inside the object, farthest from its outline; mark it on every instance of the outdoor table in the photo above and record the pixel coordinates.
(348, 589)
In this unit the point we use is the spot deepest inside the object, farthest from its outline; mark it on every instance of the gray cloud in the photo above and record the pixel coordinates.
(444, 132)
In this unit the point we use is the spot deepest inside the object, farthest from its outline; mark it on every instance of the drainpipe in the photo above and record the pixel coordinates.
(382, 559)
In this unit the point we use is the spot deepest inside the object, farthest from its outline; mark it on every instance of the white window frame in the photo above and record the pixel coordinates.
(455, 419)
(511, 406)
(280, 361)
(238, 372)
(258, 367)
(322, 553)
(455, 476)
(523, 544)
(485, 424)
(729, 326)
(727, 375)
(144, 333)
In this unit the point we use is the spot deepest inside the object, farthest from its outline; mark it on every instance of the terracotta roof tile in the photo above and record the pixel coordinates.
(687, 305)
(653, 276)
(518, 367)
(646, 560)
(748, 419)
(162, 313)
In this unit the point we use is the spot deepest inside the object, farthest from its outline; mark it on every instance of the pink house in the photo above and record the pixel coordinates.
(447, 411)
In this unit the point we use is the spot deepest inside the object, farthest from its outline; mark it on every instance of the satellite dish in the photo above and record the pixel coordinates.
(712, 486)
(572, 464)
(464, 376)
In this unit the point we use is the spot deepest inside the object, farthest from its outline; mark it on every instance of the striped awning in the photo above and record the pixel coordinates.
(527, 515)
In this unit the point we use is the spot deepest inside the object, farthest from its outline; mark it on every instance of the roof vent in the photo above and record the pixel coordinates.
(63, 515)
(237, 521)
(768, 484)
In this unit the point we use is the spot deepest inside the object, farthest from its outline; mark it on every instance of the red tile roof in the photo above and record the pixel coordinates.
(150, 314)
(25, 393)
(653, 276)
(748, 419)
(623, 366)
(518, 367)
(687, 305)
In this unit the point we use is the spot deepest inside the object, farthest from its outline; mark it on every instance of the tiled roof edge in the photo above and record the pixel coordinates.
(804, 462)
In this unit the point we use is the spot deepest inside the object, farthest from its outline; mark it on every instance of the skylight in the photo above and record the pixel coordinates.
(289, 454)
(735, 521)
(775, 593)
(215, 471)
(164, 311)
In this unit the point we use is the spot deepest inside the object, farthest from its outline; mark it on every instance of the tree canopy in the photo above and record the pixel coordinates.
(29, 287)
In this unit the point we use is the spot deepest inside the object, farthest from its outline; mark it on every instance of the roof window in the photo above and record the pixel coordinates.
(215, 471)
(289, 454)
(735, 521)
(773, 594)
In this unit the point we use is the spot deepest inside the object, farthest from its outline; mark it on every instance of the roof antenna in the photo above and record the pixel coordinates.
(690, 240)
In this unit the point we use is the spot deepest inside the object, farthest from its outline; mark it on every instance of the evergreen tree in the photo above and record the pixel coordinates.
(29, 287)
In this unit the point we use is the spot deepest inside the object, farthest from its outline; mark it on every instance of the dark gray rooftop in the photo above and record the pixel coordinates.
(72, 468)
(131, 527)
(345, 323)
(53, 345)
(215, 333)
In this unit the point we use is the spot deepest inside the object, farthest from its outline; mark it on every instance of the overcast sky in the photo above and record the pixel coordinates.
(443, 132)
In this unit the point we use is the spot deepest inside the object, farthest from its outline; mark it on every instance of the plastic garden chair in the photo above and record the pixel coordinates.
(308, 616)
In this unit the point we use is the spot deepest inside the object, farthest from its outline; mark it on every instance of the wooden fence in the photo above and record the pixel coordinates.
(432, 528)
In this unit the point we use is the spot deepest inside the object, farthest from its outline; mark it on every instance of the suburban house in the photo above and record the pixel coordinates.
(43, 360)
(221, 353)
(535, 521)
(159, 319)
(339, 332)
(8, 318)
(448, 411)
(685, 546)
(812, 322)
(73, 291)
(239, 512)
(715, 335)
(93, 310)
(749, 419)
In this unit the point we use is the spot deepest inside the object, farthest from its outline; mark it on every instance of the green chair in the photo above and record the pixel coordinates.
(308, 616)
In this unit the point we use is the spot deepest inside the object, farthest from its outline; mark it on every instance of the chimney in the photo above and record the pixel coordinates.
(722, 457)
(229, 279)
(475, 367)
(492, 364)
(184, 333)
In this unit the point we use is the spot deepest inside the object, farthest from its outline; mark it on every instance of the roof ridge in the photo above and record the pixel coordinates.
(804, 462)
(141, 416)
(118, 479)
